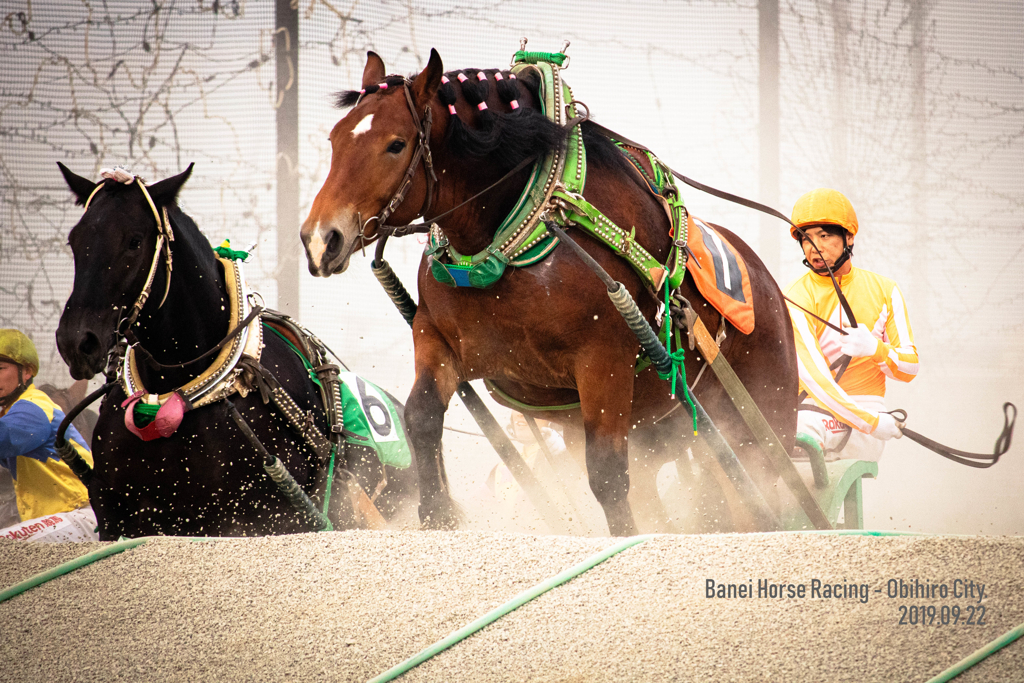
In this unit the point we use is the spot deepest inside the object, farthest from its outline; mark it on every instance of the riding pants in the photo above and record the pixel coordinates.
(837, 439)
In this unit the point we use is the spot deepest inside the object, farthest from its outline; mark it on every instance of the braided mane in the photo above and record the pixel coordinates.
(473, 128)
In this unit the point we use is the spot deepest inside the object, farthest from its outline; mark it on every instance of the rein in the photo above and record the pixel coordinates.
(977, 460)
(736, 200)
(816, 316)
(426, 223)
(156, 365)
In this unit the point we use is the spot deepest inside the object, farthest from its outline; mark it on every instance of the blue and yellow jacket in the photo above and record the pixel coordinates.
(43, 483)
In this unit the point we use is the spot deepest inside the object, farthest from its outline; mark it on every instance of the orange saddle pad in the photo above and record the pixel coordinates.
(721, 274)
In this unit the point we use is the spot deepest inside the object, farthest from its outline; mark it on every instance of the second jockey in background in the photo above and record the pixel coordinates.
(845, 419)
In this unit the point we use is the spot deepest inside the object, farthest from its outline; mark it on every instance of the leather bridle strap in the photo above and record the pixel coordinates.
(422, 151)
(165, 235)
(424, 225)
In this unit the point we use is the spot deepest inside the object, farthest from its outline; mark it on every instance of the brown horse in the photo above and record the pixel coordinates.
(547, 334)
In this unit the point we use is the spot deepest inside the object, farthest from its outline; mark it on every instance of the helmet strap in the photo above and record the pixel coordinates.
(843, 258)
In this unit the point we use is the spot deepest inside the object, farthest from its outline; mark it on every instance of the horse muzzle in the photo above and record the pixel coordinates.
(84, 336)
(327, 250)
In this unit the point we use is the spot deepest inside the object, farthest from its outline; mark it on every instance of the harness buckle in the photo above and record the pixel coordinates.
(684, 316)
(560, 187)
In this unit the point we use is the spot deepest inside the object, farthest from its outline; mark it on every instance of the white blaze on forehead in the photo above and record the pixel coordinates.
(363, 126)
(316, 247)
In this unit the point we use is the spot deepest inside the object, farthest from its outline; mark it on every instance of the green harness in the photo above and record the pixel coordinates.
(555, 193)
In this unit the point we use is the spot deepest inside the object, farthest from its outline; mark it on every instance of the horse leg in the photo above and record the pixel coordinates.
(648, 450)
(606, 395)
(436, 380)
(340, 509)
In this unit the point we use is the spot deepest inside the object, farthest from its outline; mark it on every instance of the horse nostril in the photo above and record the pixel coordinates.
(334, 242)
(89, 345)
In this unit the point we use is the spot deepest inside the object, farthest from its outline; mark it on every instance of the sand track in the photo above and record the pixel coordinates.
(347, 606)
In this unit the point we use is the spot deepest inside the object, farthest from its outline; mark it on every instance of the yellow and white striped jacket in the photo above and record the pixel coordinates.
(877, 303)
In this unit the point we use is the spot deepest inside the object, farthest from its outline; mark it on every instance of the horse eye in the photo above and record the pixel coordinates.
(396, 146)
(135, 243)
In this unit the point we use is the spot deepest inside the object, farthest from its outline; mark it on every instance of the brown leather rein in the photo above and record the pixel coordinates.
(422, 152)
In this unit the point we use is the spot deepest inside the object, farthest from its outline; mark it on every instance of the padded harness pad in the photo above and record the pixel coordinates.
(720, 274)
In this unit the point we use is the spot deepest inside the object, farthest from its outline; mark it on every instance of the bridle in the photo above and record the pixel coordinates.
(422, 152)
(165, 235)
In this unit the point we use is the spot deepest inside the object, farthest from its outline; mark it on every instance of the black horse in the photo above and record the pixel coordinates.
(206, 478)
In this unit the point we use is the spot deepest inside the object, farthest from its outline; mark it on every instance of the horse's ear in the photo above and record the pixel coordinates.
(82, 187)
(166, 191)
(374, 71)
(425, 86)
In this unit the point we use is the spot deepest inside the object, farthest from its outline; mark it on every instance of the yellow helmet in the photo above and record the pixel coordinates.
(823, 206)
(17, 348)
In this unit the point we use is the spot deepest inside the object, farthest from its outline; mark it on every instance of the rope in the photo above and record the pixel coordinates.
(677, 357)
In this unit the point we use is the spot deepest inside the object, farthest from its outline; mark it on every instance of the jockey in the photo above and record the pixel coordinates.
(28, 428)
(845, 419)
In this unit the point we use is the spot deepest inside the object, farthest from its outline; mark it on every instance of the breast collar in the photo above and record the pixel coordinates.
(222, 377)
(521, 239)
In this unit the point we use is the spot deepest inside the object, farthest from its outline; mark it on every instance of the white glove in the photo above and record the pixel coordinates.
(858, 342)
(888, 428)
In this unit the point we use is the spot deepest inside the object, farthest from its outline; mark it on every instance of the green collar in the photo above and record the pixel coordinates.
(555, 192)
(521, 239)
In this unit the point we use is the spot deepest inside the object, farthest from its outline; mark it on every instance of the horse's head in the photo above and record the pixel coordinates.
(373, 147)
(114, 245)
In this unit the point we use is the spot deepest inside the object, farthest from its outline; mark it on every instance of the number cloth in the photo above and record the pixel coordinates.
(369, 413)
(43, 483)
(721, 275)
(879, 305)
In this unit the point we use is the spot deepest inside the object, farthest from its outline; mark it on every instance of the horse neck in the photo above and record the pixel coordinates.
(195, 316)
(471, 228)
(612, 186)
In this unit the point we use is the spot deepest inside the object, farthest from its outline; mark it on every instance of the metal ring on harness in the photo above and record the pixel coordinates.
(365, 239)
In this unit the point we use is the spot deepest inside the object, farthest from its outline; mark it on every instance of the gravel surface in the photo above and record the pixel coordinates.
(347, 606)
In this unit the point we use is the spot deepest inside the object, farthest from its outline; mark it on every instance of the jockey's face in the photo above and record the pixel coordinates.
(830, 243)
(9, 381)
